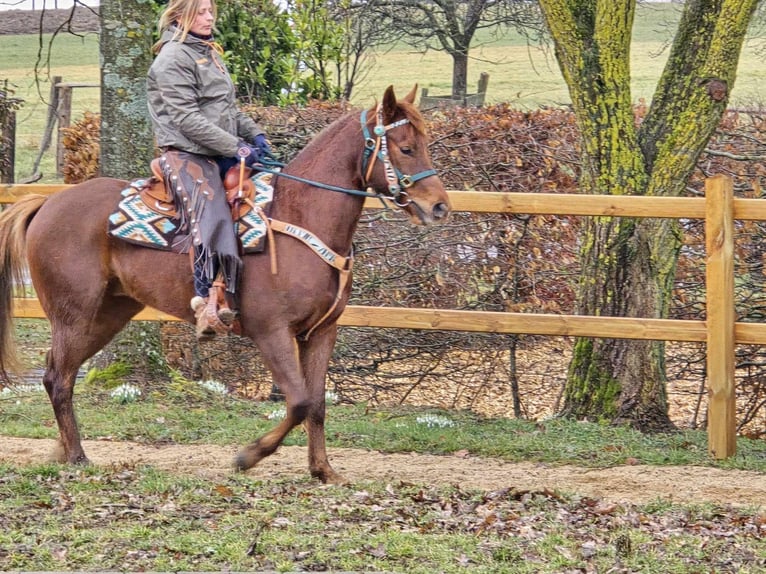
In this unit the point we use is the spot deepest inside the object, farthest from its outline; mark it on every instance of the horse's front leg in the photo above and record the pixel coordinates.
(315, 358)
(280, 354)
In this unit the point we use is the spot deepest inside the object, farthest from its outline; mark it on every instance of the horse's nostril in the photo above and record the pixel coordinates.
(440, 211)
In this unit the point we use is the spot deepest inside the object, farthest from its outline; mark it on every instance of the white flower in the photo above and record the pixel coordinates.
(26, 388)
(125, 393)
(435, 421)
(276, 414)
(214, 387)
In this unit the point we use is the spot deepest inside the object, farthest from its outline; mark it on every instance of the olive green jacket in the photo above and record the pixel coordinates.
(192, 100)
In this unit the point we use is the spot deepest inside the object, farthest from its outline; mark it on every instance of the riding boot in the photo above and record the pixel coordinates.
(204, 330)
(199, 302)
(213, 314)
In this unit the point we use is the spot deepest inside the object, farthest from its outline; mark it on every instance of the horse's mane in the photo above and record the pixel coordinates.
(327, 137)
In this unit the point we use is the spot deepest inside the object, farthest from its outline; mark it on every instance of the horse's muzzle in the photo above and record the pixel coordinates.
(440, 211)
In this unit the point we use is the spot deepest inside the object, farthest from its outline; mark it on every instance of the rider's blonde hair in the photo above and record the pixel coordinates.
(181, 14)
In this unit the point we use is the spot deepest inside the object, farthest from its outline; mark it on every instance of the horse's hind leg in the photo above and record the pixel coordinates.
(315, 358)
(59, 379)
(71, 345)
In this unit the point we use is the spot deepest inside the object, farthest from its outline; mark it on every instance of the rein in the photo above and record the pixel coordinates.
(375, 148)
(276, 166)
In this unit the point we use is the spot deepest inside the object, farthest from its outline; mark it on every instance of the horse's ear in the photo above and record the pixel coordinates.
(411, 96)
(389, 104)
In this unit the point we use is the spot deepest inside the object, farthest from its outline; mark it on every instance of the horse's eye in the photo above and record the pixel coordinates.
(406, 150)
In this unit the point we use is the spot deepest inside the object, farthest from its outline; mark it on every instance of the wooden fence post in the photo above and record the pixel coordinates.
(64, 115)
(719, 243)
(8, 141)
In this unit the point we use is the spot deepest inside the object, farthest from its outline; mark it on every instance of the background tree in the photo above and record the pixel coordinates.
(127, 144)
(364, 33)
(628, 265)
(338, 40)
(261, 51)
(320, 40)
(450, 25)
(127, 140)
(289, 54)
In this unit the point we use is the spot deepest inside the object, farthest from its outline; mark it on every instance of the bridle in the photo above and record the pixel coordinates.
(376, 148)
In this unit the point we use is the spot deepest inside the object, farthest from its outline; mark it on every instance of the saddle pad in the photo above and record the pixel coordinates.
(135, 223)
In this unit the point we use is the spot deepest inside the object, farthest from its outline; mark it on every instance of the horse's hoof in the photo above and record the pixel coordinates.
(81, 460)
(58, 454)
(330, 477)
(244, 461)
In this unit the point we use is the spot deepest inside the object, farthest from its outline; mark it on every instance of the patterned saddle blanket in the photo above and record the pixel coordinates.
(142, 221)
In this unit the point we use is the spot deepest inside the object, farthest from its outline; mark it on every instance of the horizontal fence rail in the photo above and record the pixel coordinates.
(528, 203)
(720, 331)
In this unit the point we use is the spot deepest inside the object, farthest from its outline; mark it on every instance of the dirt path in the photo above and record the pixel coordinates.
(636, 484)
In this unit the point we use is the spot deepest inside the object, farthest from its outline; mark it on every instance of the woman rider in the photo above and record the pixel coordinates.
(201, 132)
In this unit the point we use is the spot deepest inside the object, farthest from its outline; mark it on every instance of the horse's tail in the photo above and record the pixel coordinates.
(13, 264)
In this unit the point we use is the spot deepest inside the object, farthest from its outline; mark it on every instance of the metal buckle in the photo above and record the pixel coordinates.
(400, 204)
(406, 181)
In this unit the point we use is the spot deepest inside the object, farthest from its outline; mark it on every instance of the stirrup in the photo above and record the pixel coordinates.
(227, 316)
(222, 310)
(209, 324)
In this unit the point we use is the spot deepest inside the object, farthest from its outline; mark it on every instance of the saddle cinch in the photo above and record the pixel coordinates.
(147, 214)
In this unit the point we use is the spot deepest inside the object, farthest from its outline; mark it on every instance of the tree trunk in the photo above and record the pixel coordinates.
(127, 147)
(628, 265)
(459, 74)
(127, 142)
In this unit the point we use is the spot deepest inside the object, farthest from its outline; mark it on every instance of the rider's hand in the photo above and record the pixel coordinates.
(251, 154)
(262, 143)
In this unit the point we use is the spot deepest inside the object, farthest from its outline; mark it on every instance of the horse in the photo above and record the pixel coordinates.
(91, 284)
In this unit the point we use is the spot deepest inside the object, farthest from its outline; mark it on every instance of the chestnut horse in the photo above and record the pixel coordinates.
(91, 284)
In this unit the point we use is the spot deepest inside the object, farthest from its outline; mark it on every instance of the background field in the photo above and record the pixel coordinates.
(525, 75)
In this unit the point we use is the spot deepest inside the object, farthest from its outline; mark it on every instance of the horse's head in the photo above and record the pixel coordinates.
(396, 159)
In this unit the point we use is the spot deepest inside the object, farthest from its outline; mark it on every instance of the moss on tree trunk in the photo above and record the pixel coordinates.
(628, 265)
(127, 141)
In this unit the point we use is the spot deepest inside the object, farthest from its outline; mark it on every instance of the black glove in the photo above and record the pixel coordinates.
(251, 154)
(262, 143)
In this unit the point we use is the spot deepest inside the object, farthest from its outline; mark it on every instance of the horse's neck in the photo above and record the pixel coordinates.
(332, 158)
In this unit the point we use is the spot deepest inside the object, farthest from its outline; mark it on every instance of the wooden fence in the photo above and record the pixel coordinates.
(718, 208)
(62, 100)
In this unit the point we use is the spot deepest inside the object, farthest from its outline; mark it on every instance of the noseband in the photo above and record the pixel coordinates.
(377, 148)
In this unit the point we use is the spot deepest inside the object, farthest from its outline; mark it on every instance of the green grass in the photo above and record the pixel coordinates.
(526, 76)
(134, 519)
(186, 413)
